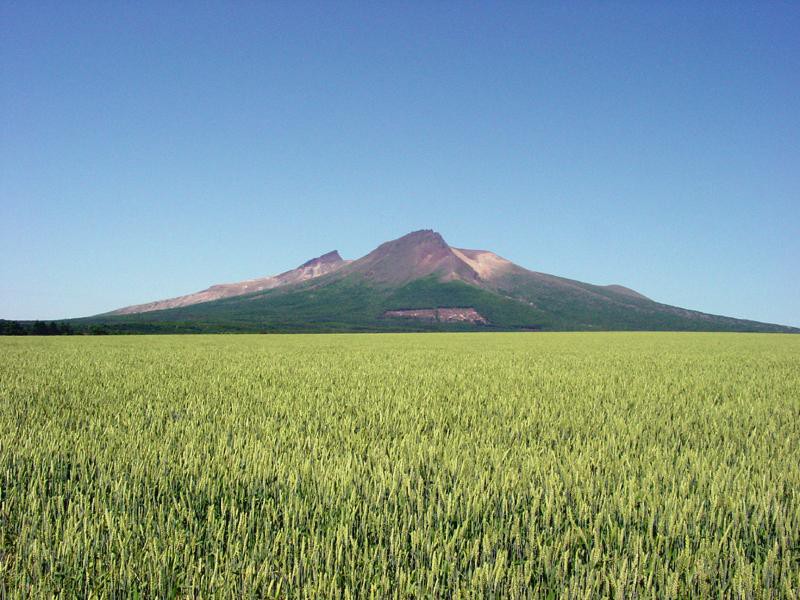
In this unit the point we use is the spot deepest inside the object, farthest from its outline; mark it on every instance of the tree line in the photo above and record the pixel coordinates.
(36, 328)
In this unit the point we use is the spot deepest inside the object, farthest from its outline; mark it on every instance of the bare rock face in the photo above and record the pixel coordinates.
(418, 254)
(316, 267)
(487, 265)
(331, 258)
(424, 253)
(443, 315)
(460, 314)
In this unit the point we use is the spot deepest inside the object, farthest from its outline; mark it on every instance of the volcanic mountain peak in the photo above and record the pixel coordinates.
(328, 258)
(417, 244)
(322, 265)
(415, 255)
(421, 236)
(417, 280)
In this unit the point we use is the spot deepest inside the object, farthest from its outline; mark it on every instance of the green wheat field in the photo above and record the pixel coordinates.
(574, 465)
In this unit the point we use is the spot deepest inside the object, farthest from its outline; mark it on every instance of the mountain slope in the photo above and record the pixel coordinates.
(418, 254)
(315, 267)
(417, 283)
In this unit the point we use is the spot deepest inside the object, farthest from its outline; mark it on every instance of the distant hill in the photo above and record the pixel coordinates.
(414, 283)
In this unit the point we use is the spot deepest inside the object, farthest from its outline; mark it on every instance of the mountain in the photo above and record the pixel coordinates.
(413, 256)
(414, 283)
(315, 267)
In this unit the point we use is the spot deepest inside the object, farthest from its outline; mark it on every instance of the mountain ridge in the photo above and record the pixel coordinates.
(417, 276)
(315, 267)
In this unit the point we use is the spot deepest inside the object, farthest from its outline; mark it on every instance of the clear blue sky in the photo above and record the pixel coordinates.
(150, 149)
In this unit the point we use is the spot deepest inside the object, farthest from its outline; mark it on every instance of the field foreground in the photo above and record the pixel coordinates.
(431, 465)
